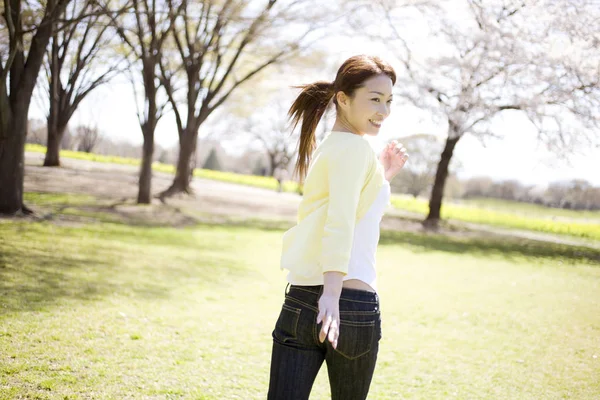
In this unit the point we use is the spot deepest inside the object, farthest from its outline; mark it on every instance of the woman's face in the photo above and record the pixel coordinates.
(370, 105)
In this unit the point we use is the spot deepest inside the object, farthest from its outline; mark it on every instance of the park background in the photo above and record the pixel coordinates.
(140, 235)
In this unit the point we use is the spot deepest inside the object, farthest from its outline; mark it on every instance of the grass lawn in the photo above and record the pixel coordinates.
(493, 212)
(529, 217)
(529, 209)
(109, 310)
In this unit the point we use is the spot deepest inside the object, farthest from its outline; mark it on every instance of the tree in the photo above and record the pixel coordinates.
(259, 168)
(76, 51)
(478, 187)
(218, 47)
(575, 194)
(29, 30)
(144, 32)
(212, 162)
(508, 190)
(270, 129)
(417, 175)
(36, 132)
(88, 138)
(497, 60)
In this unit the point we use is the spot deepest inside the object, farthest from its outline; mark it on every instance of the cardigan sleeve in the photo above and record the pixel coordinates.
(347, 170)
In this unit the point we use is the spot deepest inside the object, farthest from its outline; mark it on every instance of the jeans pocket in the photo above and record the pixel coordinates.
(286, 327)
(356, 338)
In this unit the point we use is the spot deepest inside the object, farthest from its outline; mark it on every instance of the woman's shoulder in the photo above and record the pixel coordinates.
(348, 145)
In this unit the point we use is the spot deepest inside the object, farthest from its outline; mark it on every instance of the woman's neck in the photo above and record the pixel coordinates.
(341, 125)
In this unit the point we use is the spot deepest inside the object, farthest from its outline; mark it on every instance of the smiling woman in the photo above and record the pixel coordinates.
(330, 253)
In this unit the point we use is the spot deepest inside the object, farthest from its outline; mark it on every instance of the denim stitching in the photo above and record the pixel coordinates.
(304, 290)
(302, 303)
(294, 326)
(342, 297)
(371, 331)
(292, 309)
(316, 330)
(357, 301)
(367, 313)
(357, 323)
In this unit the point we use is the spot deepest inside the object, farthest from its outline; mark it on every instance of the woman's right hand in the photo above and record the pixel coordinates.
(329, 307)
(329, 314)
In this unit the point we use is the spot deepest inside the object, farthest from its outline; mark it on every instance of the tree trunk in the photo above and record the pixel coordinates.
(181, 183)
(145, 182)
(148, 127)
(15, 106)
(12, 169)
(435, 201)
(55, 135)
(272, 164)
(193, 160)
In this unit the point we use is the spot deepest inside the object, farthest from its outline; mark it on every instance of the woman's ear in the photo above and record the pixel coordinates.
(341, 98)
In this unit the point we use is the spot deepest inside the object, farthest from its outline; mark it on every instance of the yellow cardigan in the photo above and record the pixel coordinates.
(343, 180)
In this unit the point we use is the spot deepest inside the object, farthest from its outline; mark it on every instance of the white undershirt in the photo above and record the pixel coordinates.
(366, 239)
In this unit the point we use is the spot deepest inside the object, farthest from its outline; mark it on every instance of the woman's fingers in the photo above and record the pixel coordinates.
(399, 148)
(320, 317)
(330, 330)
(401, 151)
(329, 317)
(334, 333)
(325, 328)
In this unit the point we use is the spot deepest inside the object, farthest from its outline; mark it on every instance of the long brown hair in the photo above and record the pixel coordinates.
(313, 100)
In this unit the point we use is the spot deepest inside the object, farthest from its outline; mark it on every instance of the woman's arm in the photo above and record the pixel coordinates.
(346, 173)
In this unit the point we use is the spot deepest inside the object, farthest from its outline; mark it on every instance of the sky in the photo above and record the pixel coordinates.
(518, 156)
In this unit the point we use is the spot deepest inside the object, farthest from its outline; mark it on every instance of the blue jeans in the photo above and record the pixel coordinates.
(298, 355)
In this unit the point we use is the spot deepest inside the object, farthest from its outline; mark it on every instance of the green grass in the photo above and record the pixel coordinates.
(539, 221)
(110, 310)
(529, 209)
(420, 205)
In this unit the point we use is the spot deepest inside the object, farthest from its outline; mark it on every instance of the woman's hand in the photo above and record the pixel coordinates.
(393, 157)
(329, 314)
(329, 307)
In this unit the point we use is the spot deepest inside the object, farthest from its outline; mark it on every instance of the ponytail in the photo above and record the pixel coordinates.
(309, 107)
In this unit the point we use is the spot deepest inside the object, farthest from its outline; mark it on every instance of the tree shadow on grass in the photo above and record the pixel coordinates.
(32, 282)
(510, 249)
(267, 225)
(485, 245)
(37, 272)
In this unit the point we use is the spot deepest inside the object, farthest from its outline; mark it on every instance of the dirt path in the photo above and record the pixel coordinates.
(214, 199)
(119, 182)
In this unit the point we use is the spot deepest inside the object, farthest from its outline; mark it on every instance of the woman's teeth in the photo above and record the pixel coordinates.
(376, 123)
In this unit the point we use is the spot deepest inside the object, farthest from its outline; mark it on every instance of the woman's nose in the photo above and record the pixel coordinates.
(384, 111)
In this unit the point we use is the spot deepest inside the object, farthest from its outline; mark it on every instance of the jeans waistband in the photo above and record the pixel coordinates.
(347, 293)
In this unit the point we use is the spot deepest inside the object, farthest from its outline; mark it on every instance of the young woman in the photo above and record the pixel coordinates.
(330, 253)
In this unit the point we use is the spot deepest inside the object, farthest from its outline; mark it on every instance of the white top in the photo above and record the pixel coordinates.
(366, 239)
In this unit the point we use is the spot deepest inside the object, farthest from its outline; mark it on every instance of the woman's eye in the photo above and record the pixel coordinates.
(377, 100)
(389, 101)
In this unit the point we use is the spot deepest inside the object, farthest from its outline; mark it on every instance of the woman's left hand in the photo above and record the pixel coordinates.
(393, 157)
